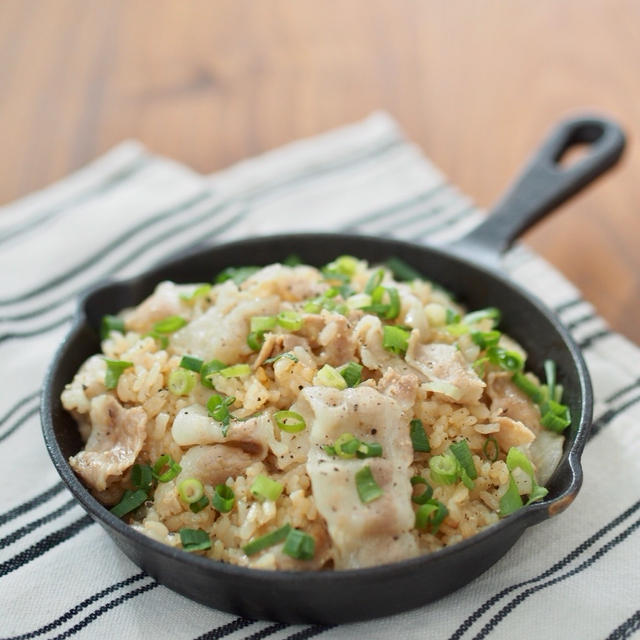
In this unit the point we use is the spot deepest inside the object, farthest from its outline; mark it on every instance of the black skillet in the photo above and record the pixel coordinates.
(468, 268)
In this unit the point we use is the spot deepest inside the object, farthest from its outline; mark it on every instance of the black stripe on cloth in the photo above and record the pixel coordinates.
(334, 165)
(609, 415)
(589, 562)
(574, 302)
(587, 342)
(31, 504)
(226, 629)
(315, 172)
(121, 175)
(309, 632)
(65, 617)
(45, 544)
(445, 224)
(94, 615)
(570, 326)
(225, 226)
(267, 631)
(34, 524)
(395, 208)
(620, 392)
(19, 405)
(101, 252)
(627, 628)
(570, 557)
(32, 412)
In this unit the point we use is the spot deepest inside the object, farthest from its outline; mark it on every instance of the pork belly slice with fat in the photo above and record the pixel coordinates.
(116, 438)
(379, 531)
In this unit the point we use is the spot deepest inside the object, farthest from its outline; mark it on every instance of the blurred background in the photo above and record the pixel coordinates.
(475, 83)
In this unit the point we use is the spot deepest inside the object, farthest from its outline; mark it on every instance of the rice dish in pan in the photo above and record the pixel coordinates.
(289, 417)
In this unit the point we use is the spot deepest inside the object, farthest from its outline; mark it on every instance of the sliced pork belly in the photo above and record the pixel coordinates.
(379, 531)
(116, 438)
(508, 400)
(164, 301)
(444, 363)
(221, 332)
(194, 426)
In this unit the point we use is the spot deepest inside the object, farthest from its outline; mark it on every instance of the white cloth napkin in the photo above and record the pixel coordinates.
(576, 576)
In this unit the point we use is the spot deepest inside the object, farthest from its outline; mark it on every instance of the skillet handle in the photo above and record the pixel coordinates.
(543, 185)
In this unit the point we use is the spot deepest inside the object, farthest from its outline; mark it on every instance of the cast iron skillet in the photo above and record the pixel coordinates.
(468, 268)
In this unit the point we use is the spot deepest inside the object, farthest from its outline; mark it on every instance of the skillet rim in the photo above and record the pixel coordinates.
(524, 517)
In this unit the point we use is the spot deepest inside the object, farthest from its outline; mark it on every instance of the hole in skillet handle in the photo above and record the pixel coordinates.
(544, 183)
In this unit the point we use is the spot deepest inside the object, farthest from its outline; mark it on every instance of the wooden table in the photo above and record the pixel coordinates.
(474, 82)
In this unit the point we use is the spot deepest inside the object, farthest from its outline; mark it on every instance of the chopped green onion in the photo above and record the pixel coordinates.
(511, 500)
(292, 260)
(401, 270)
(264, 488)
(463, 454)
(516, 458)
(346, 445)
(329, 449)
(395, 339)
(218, 408)
(199, 505)
(550, 373)
(191, 490)
(528, 386)
(387, 311)
(223, 498)
(208, 368)
(554, 423)
(312, 306)
(165, 461)
(369, 450)
(476, 316)
(260, 324)
(444, 468)
(424, 497)
(169, 324)
(343, 265)
(236, 371)
(142, 477)
(457, 329)
(181, 382)
(432, 513)
(290, 320)
(109, 324)
(485, 339)
(331, 292)
(114, 371)
(419, 438)
(368, 489)
(479, 366)
(289, 421)
(299, 545)
(491, 449)
(287, 354)
(352, 373)
(130, 500)
(452, 317)
(255, 341)
(198, 292)
(374, 281)
(237, 274)
(267, 540)
(194, 539)
(191, 363)
(327, 376)
(509, 360)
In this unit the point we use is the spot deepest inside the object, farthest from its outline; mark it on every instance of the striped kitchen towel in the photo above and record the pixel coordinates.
(576, 576)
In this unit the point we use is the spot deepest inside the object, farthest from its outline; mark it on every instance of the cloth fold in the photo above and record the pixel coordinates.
(577, 575)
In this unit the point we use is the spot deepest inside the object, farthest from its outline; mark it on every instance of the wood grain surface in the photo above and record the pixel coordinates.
(475, 83)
